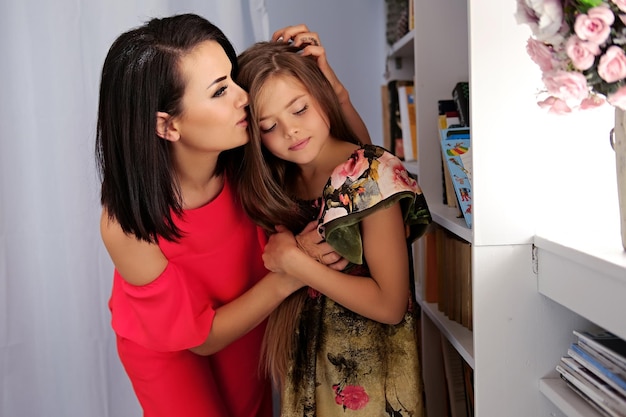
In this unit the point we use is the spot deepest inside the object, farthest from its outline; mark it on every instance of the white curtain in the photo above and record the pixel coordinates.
(57, 352)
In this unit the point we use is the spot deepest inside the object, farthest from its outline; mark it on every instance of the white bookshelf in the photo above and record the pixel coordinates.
(546, 255)
(459, 336)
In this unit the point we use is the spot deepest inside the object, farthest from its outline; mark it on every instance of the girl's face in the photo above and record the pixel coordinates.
(214, 116)
(292, 124)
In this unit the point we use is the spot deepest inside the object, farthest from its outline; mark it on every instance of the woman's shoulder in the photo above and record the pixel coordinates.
(138, 261)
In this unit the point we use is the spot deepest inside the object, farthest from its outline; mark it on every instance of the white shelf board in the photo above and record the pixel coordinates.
(460, 337)
(588, 278)
(447, 217)
(565, 399)
(403, 47)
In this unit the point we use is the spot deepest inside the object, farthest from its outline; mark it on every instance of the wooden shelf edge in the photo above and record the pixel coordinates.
(460, 337)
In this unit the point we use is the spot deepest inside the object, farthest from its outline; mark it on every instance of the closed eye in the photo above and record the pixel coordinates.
(269, 129)
(220, 92)
(302, 110)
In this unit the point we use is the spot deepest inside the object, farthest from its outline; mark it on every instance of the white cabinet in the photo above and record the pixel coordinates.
(546, 255)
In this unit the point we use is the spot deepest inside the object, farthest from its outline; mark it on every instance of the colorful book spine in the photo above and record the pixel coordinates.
(455, 145)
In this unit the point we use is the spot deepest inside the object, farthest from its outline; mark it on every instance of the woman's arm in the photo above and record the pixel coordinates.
(383, 296)
(300, 35)
(140, 263)
(247, 311)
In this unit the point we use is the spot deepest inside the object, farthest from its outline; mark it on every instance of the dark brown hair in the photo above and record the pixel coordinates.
(140, 77)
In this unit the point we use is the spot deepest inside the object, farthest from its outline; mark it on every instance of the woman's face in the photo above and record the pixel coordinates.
(214, 116)
(292, 124)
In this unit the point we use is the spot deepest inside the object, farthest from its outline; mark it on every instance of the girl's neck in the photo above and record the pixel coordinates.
(312, 177)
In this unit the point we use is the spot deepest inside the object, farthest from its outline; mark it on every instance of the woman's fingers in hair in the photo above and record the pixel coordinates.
(300, 35)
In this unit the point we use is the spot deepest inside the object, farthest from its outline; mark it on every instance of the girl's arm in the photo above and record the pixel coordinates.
(301, 35)
(383, 296)
(140, 263)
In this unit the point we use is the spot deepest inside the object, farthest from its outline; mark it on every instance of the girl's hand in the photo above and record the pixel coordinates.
(302, 37)
(310, 242)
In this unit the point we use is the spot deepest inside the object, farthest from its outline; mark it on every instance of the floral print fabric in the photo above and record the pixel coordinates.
(347, 364)
(371, 179)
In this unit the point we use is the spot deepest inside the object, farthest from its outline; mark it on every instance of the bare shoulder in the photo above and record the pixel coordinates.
(137, 261)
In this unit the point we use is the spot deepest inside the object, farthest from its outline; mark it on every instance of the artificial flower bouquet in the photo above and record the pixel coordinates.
(579, 45)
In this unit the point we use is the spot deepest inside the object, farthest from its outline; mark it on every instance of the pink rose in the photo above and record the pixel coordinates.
(353, 169)
(555, 105)
(621, 4)
(582, 53)
(352, 397)
(543, 17)
(594, 26)
(612, 65)
(592, 102)
(618, 98)
(541, 54)
(566, 85)
(402, 176)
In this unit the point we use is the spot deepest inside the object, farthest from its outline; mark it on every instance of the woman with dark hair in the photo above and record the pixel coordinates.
(190, 292)
(346, 344)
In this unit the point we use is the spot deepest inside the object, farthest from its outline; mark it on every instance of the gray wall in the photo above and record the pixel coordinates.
(353, 33)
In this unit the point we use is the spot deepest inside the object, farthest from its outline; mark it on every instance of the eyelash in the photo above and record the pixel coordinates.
(297, 113)
(220, 92)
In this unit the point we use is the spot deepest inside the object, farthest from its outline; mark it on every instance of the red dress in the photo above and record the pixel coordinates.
(217, 260)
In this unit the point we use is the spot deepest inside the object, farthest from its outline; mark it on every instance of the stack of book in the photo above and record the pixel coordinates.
(596, 369)
(443, 273)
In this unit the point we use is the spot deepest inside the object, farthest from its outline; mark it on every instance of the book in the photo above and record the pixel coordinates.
(444, 107)
(384, 96)
(591, 388)
(395, 127)
(607, 393)
(468, 379)
(460, 96)
(442, 293)
(406, 102)
(455, 143)
(464, 263)
(606, 344)
(455, 378)
(608, 372)
(425, 255)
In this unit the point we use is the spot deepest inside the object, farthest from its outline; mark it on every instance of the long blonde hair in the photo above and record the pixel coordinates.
(266, 181)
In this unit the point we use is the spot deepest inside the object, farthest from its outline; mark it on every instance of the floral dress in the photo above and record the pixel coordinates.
(347, 364)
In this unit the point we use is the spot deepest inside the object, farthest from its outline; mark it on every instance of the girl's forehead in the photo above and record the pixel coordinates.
(280, 84)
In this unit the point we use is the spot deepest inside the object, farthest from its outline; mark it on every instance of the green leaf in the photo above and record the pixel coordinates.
(590, 3)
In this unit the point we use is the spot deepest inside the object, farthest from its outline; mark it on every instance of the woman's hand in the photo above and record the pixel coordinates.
(311, 243)
(281, 246)
(302, 37)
